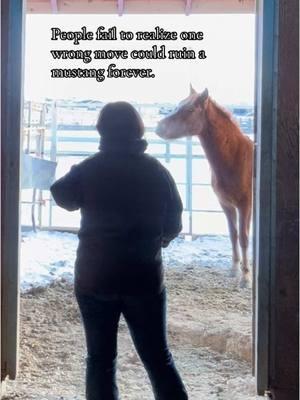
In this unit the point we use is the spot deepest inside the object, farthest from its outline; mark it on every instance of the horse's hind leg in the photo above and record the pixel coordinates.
(231, 215)
(244, 228)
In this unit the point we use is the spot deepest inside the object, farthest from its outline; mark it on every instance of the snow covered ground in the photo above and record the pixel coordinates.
(48, 256)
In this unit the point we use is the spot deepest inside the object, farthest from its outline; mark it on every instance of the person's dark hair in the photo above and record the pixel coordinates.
(120, 121)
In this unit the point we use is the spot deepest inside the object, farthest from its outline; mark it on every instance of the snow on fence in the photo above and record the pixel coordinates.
(69, 136)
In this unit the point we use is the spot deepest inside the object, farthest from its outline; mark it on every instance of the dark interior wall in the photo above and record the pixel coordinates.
(284, 340)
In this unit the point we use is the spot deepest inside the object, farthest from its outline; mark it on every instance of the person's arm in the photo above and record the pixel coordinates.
(66, 191)
(172, 223)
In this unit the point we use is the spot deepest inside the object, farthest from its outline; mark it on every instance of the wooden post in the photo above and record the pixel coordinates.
(277, 199)
(265, 164)
(11, 105)
(284, 299)
(141, 6)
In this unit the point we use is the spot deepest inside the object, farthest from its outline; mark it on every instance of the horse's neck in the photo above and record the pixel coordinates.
(219, 139)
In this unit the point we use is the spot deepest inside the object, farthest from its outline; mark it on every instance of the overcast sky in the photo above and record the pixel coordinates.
(227, 72)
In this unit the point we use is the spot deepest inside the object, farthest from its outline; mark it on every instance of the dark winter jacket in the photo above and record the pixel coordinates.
(130, 208)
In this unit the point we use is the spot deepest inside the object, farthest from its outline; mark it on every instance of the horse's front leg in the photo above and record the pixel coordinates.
(244, 228)
(231, 215)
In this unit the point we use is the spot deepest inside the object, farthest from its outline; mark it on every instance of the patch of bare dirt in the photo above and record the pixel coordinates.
(209, 334)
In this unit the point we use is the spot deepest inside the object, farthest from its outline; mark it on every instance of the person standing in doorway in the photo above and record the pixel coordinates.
(130, 209)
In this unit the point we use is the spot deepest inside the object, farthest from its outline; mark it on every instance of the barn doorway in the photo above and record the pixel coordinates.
(59, 131)
(191, 289)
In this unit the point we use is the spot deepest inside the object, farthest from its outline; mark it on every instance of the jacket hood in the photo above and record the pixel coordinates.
(133, 146)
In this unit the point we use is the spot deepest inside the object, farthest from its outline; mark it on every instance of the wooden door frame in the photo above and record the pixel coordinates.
(12, 37)
(265, 165)
(276, 198)
(265, 190)
(11, 258)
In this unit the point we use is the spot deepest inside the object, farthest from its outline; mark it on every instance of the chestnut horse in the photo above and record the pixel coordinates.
(230, 155)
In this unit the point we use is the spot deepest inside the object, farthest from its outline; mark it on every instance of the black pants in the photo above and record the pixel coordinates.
(146, 319)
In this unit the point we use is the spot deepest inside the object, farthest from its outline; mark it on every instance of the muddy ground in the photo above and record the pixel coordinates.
(209, 334)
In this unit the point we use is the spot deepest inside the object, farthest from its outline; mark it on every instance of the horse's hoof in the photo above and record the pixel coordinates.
(234, 273)
(235, 269)
(245, 283)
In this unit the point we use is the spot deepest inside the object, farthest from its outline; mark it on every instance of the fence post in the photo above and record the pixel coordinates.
(168, 156)
(28, 128)
(53, 149)
(41, 155)
(189, 183)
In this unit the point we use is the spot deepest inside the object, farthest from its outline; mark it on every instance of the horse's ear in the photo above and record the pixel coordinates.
(192, 90)
(204, 95)
(201, 98)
